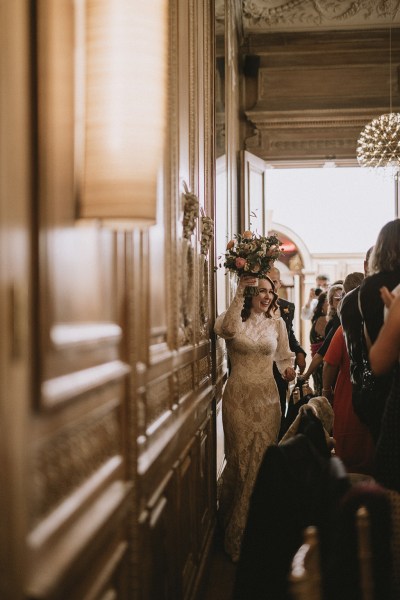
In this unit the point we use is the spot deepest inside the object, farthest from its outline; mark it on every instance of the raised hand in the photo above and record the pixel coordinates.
(248, 281)
(386, 296)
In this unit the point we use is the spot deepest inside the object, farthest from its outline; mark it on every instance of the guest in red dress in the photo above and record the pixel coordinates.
(353, 442)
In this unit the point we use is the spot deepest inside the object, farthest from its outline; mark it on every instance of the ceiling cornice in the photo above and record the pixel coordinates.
(265, 16)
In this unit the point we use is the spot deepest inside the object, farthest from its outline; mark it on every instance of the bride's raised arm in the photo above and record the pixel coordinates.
(227, 324)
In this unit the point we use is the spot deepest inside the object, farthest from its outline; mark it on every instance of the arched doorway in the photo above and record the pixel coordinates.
(295, 265)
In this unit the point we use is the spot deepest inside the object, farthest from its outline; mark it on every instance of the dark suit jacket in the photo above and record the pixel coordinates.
(287, 314)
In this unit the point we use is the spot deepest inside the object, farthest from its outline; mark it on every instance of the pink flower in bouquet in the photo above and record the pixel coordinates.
(240, 262)
(272, 251)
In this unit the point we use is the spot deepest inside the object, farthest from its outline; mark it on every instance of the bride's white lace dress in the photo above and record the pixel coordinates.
(251, 410)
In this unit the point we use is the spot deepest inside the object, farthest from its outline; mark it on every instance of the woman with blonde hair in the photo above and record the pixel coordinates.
(335, 294)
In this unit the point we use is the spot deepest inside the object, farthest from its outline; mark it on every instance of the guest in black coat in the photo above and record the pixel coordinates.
(384, 271)
(287, 313)
(368, 410)
(296, 486)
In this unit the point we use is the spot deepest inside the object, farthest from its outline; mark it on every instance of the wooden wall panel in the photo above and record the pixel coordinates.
(120, 451)
(229, 215)
(173, 378)
(79, 490)
(176, 523)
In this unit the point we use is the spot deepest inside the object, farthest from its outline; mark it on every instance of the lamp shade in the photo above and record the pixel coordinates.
(124, 74)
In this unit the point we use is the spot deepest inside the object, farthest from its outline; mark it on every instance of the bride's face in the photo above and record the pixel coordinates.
(261, 303)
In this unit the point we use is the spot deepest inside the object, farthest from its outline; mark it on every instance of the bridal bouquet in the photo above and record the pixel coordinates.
(251, 254)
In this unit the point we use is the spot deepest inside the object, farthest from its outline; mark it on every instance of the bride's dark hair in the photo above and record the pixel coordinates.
(248, 301)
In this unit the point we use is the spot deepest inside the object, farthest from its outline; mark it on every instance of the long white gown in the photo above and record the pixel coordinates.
(251, 411)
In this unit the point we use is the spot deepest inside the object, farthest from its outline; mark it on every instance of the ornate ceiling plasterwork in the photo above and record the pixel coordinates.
(264, 16)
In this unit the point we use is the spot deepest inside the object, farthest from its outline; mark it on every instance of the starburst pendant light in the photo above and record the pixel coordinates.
(379, 141)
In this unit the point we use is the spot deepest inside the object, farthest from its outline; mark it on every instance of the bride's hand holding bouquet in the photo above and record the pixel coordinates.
(246, 281)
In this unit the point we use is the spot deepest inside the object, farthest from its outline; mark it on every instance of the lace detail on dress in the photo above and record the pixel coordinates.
(251, 410)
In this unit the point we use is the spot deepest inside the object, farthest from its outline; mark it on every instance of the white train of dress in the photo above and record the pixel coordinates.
(251, 412)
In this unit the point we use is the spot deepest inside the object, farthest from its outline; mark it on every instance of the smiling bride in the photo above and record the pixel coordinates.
(251, 414)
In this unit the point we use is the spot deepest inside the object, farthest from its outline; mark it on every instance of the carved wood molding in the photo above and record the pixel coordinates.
(56, 569)
(193, 92)
(82, 334)
(306, 134)
(314, 118)
(163, 446)
(60, 389)
(173, 198)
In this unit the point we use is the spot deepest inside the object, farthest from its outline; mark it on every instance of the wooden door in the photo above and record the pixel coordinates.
(254, 215)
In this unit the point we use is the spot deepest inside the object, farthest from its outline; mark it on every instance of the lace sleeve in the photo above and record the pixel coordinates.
(284, 358)
(228, 323)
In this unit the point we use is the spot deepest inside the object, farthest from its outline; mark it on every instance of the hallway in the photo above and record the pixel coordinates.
(131, 139)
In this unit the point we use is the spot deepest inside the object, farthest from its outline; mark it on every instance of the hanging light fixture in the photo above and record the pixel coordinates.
(379, 141)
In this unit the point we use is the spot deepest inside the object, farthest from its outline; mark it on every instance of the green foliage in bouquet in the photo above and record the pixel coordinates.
(251, 254)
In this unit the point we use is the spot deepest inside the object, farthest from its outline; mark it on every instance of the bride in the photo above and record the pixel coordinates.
(251, 414)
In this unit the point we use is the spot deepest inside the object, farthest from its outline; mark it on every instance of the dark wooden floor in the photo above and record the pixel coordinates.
(221, 574)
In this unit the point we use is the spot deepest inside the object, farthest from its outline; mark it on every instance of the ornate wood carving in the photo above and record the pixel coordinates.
(185, 380)
(190, 212)
(203, 296)
(68, 458)
(204, 368)
(186, 329)
(158, 399)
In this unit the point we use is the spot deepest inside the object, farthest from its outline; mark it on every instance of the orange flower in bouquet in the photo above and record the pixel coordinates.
(251, 254)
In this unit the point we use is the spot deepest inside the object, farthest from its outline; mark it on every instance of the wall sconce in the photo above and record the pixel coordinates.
(121, 106)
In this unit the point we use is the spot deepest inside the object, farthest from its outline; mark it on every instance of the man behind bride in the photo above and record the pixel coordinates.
(286, 311)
